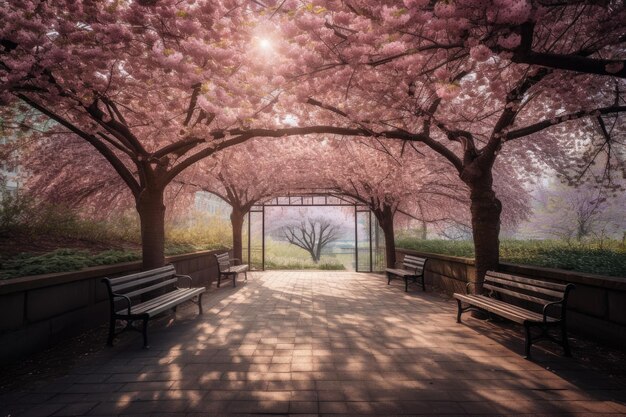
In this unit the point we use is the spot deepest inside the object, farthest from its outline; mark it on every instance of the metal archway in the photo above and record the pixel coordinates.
(369, 249)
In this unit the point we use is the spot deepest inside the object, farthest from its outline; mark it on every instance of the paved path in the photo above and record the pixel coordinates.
(322, 343)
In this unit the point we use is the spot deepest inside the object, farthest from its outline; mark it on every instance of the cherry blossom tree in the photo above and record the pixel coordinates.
(155, 87)
(395, 177)
(390, 178)
(429, 75)
(244, 175)
(131, 79)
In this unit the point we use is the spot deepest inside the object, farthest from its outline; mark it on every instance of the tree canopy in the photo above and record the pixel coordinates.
(471, 93)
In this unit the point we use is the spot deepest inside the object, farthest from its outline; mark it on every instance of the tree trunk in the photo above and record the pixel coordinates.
(424, 230)
(152, 218)
(385, 220)
(318, 249)
(485, 209)
(390, 244)
(236, 219)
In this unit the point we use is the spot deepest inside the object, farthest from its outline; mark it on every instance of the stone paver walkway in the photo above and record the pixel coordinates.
(322, 343)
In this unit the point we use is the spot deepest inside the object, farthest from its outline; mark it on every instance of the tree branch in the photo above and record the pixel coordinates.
(115, 162)
(544, 124)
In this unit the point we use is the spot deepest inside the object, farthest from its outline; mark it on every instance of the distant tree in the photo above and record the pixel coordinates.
(312, 235)
(579, 212)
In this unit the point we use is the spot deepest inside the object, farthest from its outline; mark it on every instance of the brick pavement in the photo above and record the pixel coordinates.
(322, 343)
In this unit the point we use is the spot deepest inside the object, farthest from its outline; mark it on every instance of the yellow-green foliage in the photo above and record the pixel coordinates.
(121, 232)
(208, 233)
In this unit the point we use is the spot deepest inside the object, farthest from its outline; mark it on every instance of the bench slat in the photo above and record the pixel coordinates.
(418, 261)
(517, 294)
(130, 284)
(419, 258)
(153, 302)
(530, 281)
(182, 298)
(401, 272)
(413, 263)
(528, 287)
(408, 266)
(501, 308)
(151, 288)
(236, 269)
(139, 275)
(163, 302)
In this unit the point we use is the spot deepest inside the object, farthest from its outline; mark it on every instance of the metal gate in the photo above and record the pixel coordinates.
(369, 247)
(369, 242)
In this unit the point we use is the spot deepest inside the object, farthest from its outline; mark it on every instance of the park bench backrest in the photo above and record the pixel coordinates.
(223, 261)
(533, 290)
(142, 282)
(414, 263)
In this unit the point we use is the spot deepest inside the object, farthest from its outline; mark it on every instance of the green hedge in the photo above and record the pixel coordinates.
(61, 260)
(594, 257)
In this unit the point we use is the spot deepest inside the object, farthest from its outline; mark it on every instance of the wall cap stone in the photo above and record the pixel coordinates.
(594, 280)
(458, 259)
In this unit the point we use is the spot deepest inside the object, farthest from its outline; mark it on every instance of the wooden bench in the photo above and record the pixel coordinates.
(412, 268)
(227, 268)
(132, 298)
(549, 297)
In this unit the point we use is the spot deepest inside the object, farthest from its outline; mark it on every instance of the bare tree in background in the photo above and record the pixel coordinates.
(312, 235)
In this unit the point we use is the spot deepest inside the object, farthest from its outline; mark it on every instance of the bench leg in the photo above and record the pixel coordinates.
(199, 303)
(144, 331)
(459, 312)
(234, 280)
(219, 280)
(245, 275)
(388, 278)
(406, 284)
(423, 283)
(565, 342)
(528, 342)
(111, 332)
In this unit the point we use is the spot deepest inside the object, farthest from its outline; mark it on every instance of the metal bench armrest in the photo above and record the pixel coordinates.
(467, 287)
(232, 260)
(185, 276)
(562, 302)
(552, 304)
(128, 302)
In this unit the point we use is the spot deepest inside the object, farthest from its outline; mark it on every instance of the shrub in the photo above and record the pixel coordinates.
(198, 234)
(596, 257)
(61, 260)
(15, 210)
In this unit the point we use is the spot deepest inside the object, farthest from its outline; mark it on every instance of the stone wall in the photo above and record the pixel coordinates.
(596, 308)
(38, 311)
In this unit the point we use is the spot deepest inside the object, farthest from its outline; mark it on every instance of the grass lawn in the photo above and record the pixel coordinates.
(283, 255)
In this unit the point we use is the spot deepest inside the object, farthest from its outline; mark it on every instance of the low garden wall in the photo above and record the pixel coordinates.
(40, 310)
(596, 308)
